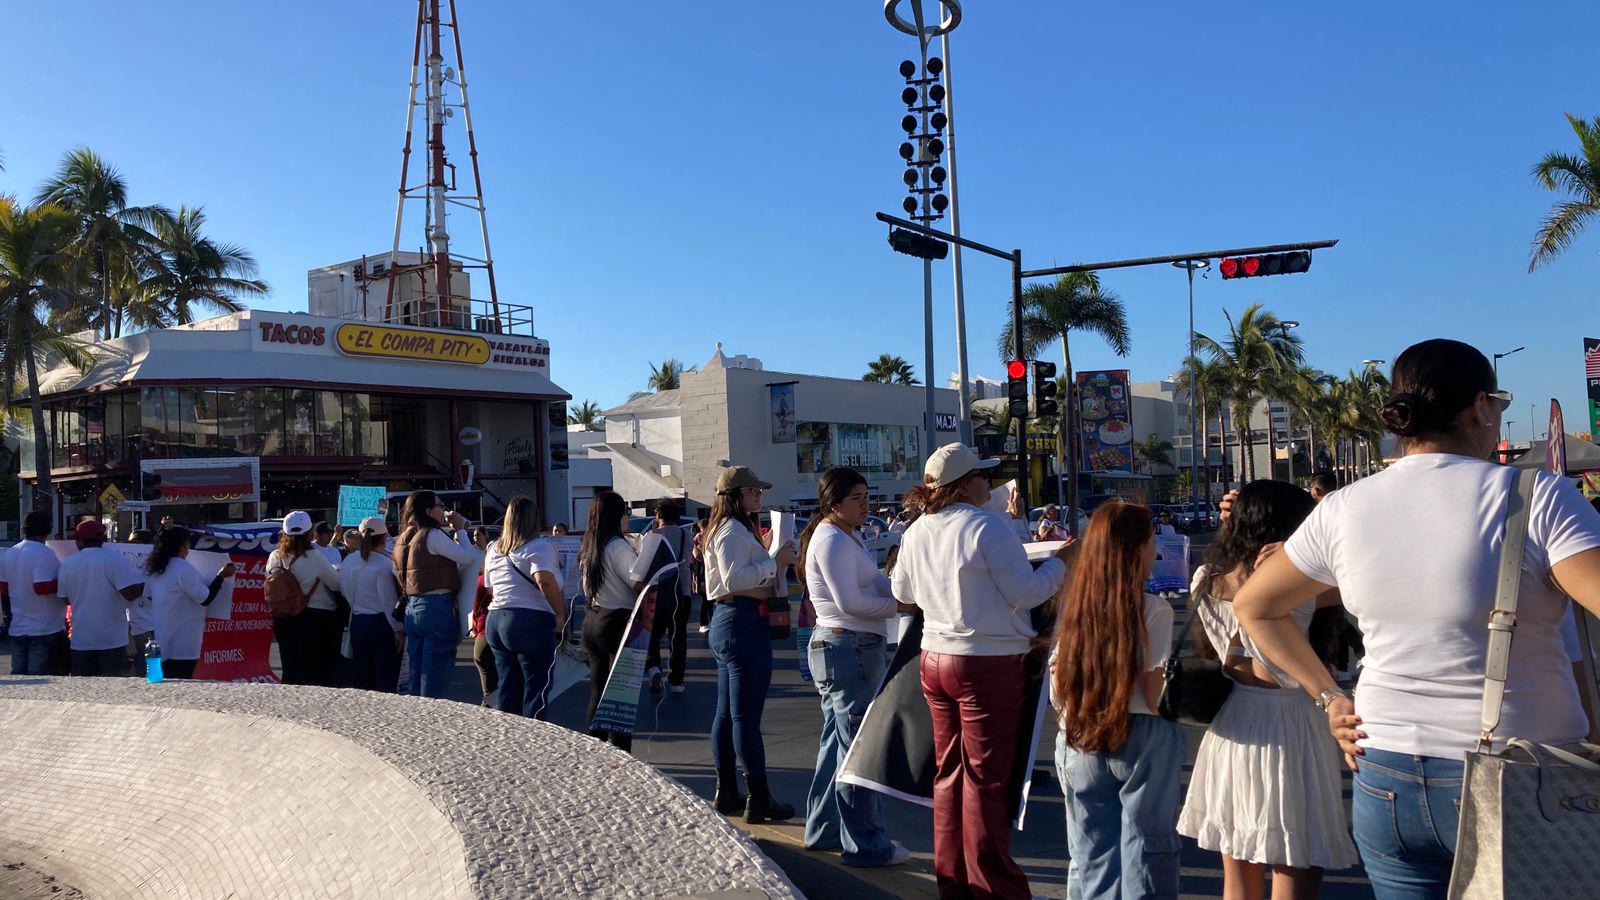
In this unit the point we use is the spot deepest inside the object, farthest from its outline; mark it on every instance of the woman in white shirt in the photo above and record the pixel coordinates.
(523, 575)
(1265, 789)
(741, 575)
(366, 578)
(1414, 551)
(179, 595)
(854, 607)
(606, 559)
(1120, 763)
(964, 567)
(308, 641)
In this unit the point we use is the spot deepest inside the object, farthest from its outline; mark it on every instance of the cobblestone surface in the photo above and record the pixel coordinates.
(399, 796)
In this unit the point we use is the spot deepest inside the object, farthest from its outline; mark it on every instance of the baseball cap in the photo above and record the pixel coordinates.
(374, 525)
(953, 462)
(297, 522)
(736, 477)
(89, 530)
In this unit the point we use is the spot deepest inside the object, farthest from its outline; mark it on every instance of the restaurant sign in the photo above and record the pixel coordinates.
(365, 339)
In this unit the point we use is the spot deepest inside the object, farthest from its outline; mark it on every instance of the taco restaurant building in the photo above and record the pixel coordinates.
(251, 414)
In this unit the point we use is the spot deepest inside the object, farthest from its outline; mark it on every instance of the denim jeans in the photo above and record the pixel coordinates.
(111, 663)
(1403, 811)
(524, 645)
(847, 667)
(431, 638)
(30, 653)
(1122, 813)
(742, 647)
(374, 659)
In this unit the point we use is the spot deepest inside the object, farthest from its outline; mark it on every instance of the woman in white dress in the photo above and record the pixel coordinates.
(1265, 789)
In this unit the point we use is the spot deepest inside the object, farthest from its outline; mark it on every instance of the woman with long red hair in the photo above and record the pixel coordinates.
(1120, 763)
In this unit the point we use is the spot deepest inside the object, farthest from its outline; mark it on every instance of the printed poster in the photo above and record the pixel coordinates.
(1105, 421)
(618, 709)
(1171, 572)
(780, 401)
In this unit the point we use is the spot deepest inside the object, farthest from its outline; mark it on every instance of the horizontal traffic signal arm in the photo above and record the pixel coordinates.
(1268, 264)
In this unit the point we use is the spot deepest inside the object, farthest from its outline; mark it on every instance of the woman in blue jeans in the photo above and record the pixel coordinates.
(740, 577)
(1415, 552)
(428, 565)
(523, 575)
(854, 607)
(1120, 763)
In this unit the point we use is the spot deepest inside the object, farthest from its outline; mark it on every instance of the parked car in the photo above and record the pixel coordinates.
(1194, 517)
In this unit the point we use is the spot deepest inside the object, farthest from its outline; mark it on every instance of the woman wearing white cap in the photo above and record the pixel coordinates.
(964, 567)
(309, 640)
(366, 578)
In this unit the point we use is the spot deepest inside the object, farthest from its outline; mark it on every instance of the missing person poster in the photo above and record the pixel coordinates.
(618, 709)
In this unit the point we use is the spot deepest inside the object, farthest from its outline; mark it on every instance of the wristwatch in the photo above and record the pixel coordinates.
(1327, 695)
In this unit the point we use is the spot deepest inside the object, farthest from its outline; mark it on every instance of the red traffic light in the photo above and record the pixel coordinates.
(1230, 267)
(1016, 369)
(1271, 264)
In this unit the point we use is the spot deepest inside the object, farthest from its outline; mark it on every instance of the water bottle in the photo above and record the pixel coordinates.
(152, 661)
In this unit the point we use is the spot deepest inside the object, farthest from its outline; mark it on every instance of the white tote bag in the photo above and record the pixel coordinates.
(1530, 814)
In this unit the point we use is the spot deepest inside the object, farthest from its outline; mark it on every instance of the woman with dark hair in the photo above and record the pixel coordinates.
(428, 564)
(366, 578)
(741, 574)
(854, 606)
(964, 567)
(179, 597)
(523, 575)
(1120, 763)
(1414, 550)
(1265, 789)
(308, 641)
(606, 560)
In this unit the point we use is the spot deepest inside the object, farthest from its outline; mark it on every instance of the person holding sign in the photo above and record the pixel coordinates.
(740, 577)
(606, 560)
(180, 597)
(523, 575)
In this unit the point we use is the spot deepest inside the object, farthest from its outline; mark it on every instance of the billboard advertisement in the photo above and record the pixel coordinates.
(1591, 376)
(1105, 421)
(886, 451)
(780, 405)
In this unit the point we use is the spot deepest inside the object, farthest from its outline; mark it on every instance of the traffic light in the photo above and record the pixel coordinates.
(1017, 388)
(1270, 264)
(1044, 389)
(918, 245)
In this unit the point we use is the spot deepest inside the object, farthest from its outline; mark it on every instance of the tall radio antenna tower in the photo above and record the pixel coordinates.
(438, 191)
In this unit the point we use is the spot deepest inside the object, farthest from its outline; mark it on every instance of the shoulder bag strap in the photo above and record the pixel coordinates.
(1503, 619)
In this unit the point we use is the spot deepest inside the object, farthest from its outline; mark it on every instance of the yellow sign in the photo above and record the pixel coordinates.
(111, 498)
(362, 339)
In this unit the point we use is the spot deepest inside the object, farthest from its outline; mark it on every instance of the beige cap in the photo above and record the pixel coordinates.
(736, 477)
(374, 525)
(953, 462)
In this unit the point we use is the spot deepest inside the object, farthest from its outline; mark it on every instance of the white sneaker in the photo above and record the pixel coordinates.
(677, 689)
(901, 855)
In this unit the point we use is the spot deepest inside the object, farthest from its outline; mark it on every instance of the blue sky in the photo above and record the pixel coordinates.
(662, 177)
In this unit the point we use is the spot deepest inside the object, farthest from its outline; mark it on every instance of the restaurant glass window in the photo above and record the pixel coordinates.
(266, 408)
(357, 416)
(208, 428)
(152, 424)
(300, 423)
(236, 429)
(330, 425)
(375, 433)
(94, 430)
(112, 423)
(405, 431)
(177, 441)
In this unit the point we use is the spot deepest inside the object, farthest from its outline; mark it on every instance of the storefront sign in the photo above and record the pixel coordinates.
(470, 436)
(363, 339)
(1105, 421)
(944, 421)
(991, 445)
(220, 480)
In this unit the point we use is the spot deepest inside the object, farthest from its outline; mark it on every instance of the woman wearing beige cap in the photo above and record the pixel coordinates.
(740, 576)
(964, 567)
(366, 578)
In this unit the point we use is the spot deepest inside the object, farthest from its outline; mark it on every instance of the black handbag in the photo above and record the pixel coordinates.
(1192, 689)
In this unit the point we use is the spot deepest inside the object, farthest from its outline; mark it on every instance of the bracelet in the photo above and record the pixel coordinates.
(1323, 699)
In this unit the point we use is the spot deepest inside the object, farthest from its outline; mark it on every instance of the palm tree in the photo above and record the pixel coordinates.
(1308, 390)
(190, 269)
(36, 281)
(1051, 312)
(1154, 451)
(1258, 356)
(1210, 397)
(890, 369)
(586, 414)
(1577, 175)
(665, 376)
(992, 418)
(113, 238)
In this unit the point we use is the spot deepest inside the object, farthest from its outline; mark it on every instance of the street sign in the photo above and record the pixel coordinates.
(133, 506)
(111, 498)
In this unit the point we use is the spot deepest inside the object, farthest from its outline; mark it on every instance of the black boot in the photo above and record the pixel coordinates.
(728, 800)
(762, 807)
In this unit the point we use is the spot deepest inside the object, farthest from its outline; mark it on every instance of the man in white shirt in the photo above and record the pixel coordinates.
(28, 586)
(324, 544)
(98, 583)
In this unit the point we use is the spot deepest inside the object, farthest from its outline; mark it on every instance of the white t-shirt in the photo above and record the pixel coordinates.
(142, 613)
(92, 580)
(1414, 550)
(1158, 621)
(847, 590)
(178, 595)
(616, 583)
(369, 585)
(32, 614)
(511, 590)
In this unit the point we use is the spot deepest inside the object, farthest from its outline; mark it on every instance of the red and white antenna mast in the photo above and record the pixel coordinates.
(439, 304)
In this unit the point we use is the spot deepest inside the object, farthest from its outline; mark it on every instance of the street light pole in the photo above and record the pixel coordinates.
(964, 395)
(1189, 265)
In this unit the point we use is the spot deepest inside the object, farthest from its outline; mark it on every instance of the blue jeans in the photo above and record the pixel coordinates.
(742, 647)
(30, 654)
(1403, 811)
(847, 667)
(1122, 813)
(431, 638)
(524, 645)
(374, 660)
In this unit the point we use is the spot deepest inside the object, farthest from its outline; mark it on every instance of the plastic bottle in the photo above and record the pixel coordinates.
(152, 662)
